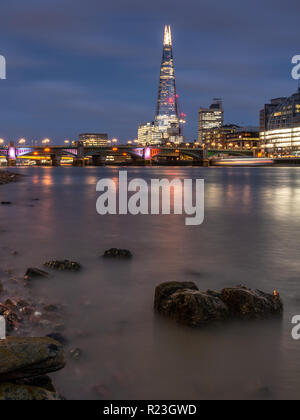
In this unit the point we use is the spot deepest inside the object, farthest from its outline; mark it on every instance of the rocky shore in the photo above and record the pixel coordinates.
(7, 177)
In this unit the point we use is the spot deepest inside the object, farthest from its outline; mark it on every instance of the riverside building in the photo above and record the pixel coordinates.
(280, 126)
(210, 118)
(94, 139)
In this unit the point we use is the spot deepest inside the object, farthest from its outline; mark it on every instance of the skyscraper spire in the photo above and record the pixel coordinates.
(167, 109)
(168, 36)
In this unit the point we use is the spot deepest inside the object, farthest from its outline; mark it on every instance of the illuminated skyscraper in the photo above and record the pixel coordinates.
(209, 118)
(167, 106)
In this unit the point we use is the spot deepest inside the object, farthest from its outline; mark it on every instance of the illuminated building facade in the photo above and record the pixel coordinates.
(232, 137)
(167, 106)
(149, 133)
(94, 139)
(280, 126)
(210, 118)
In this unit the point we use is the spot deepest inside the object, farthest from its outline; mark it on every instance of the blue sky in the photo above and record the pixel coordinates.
(78, 66)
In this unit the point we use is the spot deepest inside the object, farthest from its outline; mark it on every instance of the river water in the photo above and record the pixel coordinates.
(250, 236)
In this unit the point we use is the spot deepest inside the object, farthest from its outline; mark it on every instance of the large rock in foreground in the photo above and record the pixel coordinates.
(29, 357)
(184, 303)
(14, 392)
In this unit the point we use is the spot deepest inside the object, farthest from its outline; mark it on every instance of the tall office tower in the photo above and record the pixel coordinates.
(212, 117)
(167, 106)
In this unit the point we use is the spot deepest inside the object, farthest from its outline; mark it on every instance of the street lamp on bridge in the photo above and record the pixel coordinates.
(22, 141)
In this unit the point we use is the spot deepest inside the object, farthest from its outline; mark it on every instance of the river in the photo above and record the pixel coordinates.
(250, 236)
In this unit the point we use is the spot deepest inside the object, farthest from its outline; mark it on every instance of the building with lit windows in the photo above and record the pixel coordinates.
(149, 133)
(167, 106)
(169, 120)
(280, 126)
(94, 139)
(232, 137)
(210, 118)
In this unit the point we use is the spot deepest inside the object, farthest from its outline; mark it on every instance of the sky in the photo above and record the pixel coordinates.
(78, 66)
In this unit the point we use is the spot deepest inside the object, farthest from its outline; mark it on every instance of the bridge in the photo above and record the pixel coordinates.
(98, 156)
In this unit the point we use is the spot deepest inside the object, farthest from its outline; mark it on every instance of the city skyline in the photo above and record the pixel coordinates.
(61, 81)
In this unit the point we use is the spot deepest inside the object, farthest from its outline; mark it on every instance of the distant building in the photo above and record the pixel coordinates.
(280, 126)
(149, 133)
(232, 137)
(167, 101)
(94, 139)
(209, 118)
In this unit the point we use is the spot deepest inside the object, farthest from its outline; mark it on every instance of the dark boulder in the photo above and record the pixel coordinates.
(34, 273)
(184, 303)
(165, 290)
(64, 265)
(117, 253)
(245, 303)
(29, 357)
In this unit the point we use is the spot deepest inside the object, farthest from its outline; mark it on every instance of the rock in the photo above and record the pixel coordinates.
(29, 357)
(65, 265)
(245, 303)
(165, 290)
(117, 253)
(35, 272)
(12, 320)
(43, 381)
(76, 354)
(15, 392)
(184, 303)
(58, 337)
(187, 305)
(6, 177)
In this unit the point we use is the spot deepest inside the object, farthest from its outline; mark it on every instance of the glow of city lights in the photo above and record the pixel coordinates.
(22, 141)
(115, 140)
(2, 141)
(46, 141)
(67, 141)
(129, 142)
(115, 149)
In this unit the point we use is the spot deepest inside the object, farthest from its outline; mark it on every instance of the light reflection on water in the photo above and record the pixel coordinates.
(250, 236)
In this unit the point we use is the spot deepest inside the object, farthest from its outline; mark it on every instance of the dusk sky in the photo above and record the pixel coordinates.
(93, 66)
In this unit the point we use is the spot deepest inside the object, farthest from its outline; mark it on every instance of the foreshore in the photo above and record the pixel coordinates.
(6, 177)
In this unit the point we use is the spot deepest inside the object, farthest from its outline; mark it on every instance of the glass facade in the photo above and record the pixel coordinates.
(210, 118)
(167, 107)
(280, 126)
